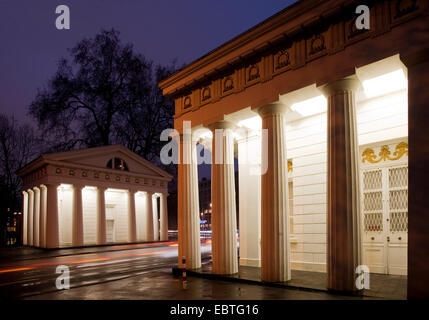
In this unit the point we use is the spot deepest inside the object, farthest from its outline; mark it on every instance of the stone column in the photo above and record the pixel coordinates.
(418, 183)
(101, 216)
(77, 235)
(155, 218)
(25, 217)
(188, 204)
(52, 235)
(149, 217)
(132, 227)
(275, 247)
(30, 217)
(343, 198)
(36, 216)
(164, 217)
(224, 220)
(42, 228)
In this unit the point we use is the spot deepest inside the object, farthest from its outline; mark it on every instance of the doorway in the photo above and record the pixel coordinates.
(384, 207)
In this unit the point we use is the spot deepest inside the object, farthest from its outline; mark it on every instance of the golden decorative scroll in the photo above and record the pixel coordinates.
(289, 166)
(401, 149)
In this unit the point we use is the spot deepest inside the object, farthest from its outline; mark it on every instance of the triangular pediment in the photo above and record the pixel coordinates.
(100, 156)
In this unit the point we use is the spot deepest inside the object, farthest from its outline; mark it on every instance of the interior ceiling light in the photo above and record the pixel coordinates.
(311, 106)
(386, 83)
(251, 123)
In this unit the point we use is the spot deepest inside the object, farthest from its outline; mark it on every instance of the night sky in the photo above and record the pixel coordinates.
(161, 30)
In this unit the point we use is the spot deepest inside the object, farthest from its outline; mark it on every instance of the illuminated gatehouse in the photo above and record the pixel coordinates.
(93, 196)
(343, 108)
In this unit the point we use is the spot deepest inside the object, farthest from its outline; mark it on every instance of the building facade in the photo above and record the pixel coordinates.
(93, 196)
(341, 165)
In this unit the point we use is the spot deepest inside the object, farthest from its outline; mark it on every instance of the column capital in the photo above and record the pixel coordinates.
(223, 124)
(30, 190)
(78, 186)
(52, 185)
(132, 190)
(272, 108)
(101, 188)
(341, 85)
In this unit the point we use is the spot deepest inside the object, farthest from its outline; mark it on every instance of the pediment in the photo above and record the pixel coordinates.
(100, 156)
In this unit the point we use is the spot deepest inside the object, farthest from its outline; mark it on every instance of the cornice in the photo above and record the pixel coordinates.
(288, 41)
(286, 16)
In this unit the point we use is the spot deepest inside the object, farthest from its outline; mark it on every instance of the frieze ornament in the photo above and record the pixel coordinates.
(283, 59)
(401, 149)
(289, 166)
(206, 94)
(253, 73)
(317, 44)
(187, 102)
(228, 84)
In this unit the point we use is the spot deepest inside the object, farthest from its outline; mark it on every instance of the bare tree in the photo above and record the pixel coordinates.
(92, 94)
(18, 146)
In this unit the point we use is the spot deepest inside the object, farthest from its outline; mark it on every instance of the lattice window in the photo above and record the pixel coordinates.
(398, 177)
(373, 201)
(399, 221)
(373, 221)
(372, 180)
(398, 200)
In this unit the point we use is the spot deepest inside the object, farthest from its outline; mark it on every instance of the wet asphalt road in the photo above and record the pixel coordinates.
(30, 278)
(128, 272)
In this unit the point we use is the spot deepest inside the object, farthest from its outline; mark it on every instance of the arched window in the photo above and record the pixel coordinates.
(118, 164)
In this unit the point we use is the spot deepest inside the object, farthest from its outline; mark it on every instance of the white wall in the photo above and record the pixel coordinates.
(306, 146)
(141, 216)
(119, 200)
(378, 119)
(89, 202)
(249, 201)
(65, 215)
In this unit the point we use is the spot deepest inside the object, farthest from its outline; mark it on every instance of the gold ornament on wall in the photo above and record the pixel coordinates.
(289, 166)
(401, 149)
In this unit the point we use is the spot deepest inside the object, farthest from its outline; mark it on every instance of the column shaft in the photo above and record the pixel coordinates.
(164, 217)
(224, 219)
(343, 186)
(155, 218)
(77, 238)
(132, 228)
(52, 240)
(149, 217)
(418, 183)
(36, 216)
(275, 248)
(188, 205)
(101, 216)
(30, 217)
(42, 227)
(24, 217)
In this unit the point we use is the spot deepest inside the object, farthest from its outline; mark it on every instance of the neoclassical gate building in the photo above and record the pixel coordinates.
(346, 151)
(93, 196)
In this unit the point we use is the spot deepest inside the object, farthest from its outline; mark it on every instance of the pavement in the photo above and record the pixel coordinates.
(125, 272)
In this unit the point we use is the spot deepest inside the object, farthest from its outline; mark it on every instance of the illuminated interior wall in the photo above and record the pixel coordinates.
(117, 205)
(250, 201)
(383, 118)
(65, 214)
(378, 119)
(89, 202)
(140, 215)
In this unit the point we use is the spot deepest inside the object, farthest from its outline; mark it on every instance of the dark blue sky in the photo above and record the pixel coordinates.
(159, 29)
